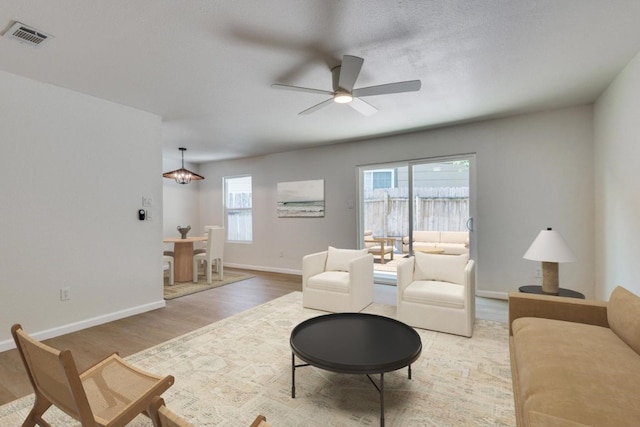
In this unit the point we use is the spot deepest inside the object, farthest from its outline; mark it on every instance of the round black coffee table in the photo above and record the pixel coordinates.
(355, 343)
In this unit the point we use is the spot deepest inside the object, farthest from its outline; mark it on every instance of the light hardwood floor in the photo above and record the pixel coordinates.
(182, 315)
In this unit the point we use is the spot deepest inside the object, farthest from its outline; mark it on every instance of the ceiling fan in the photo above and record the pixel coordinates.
(344, 78)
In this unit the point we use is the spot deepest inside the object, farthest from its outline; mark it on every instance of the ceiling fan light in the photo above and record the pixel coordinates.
(343, 97)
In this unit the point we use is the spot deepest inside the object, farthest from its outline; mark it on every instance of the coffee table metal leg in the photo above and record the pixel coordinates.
(293, 376)
(382, 399)
(409, 371)
(380, 389)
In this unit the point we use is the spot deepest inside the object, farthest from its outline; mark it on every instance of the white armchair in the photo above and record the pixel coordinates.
(437, 292)
(337, 280)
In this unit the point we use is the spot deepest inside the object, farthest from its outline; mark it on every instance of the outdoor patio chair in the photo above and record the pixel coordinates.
(379, 246)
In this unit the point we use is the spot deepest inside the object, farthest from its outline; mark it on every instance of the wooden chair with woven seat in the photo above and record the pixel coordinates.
(110, 393)
(165, 417)
(260, 421)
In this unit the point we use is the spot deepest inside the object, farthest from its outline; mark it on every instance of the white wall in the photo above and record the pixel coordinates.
(181, 203)
(617, 162)
(73, 171)
(533, 171)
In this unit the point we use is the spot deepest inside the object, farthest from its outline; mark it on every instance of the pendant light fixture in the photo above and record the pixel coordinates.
(182, 175)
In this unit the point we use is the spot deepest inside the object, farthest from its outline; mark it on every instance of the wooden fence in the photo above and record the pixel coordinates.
(386, 211)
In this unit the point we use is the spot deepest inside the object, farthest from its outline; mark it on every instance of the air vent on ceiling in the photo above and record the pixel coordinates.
(27, 35)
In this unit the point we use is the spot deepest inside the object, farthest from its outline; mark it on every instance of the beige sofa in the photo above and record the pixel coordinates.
(452, 242)
(575, 362)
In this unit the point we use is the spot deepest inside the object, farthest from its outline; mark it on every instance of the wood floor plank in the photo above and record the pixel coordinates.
(136, 333)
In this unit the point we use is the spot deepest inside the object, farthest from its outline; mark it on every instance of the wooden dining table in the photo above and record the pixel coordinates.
(183, 256)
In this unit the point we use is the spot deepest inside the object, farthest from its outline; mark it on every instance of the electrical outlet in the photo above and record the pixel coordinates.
(538, 272)
(65, 294)
(281, 254)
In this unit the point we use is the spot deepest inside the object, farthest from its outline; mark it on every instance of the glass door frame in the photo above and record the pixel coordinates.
(410, 164)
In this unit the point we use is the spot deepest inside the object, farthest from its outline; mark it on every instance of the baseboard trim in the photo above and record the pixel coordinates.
(83, 324)
(263, 268)
(492, 294)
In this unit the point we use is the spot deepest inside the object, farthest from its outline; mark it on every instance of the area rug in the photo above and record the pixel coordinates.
(180, 289)
(229, 371)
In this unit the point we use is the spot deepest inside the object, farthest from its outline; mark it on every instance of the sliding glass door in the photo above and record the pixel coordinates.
(399, 202)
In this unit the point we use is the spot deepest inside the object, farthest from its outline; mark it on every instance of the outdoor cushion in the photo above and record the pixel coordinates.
(454, 237)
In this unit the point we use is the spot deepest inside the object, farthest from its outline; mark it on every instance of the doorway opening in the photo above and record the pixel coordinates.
(409, 205)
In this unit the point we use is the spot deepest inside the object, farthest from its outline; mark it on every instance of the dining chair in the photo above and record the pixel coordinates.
(203, 249)
(108, 394)
(169, 260)
(214, 252)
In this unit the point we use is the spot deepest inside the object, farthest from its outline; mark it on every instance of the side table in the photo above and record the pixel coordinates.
(533, 289)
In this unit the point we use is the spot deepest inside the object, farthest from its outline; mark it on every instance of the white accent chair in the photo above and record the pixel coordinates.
(378, 246)
(167, 257)
(337, 280)
(214, 252)
(437, 292)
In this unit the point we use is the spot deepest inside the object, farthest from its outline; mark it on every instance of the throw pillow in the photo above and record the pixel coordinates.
(441, 268)
(339, 259)
(623, 314)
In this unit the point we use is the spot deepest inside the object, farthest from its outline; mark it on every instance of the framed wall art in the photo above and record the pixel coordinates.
(301, 199)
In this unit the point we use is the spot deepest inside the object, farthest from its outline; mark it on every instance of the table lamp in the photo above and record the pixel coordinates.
(550, 248)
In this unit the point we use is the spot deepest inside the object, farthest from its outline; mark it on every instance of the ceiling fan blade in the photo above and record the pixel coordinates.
(349, 72)
(398, 87)
(316, 107)
(363, 107)
(301, 89)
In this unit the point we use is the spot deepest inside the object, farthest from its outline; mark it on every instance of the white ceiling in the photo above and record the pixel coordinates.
(206, 66)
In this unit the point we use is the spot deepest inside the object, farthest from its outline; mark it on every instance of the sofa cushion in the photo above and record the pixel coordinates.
(337, 281)
(453, 248)
(574, 371)
(454, 237)
(442, 268)
(339, 259)
(623, 314)
(430, 292)
(426, 236)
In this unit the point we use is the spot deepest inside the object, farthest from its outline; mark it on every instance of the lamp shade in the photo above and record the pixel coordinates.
(549, 246)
